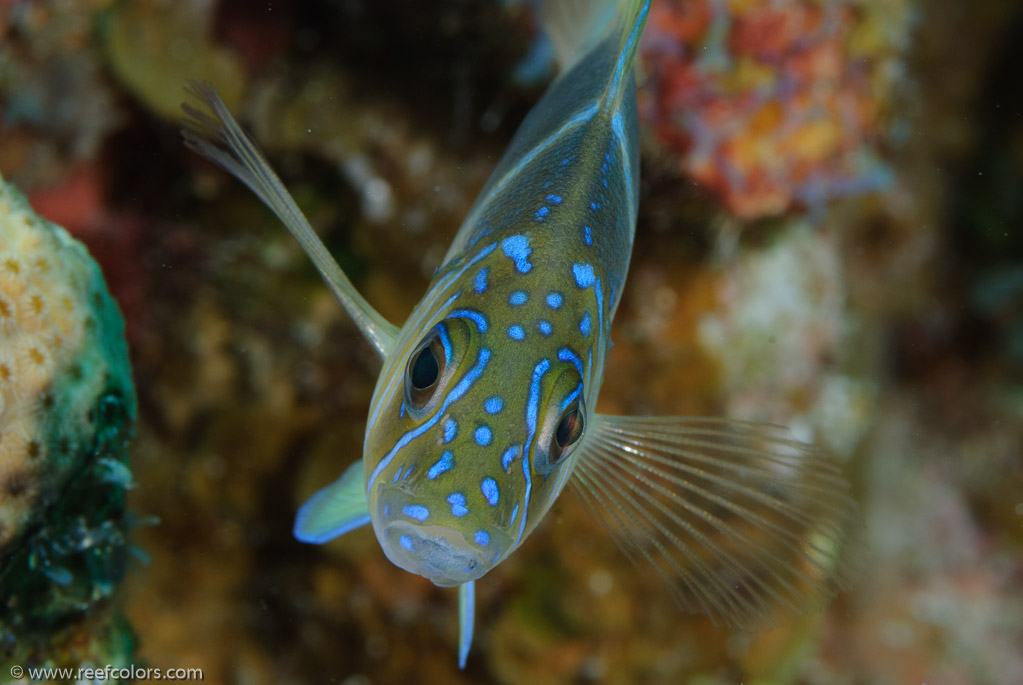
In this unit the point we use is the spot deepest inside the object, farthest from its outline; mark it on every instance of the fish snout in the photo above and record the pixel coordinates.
(441, 553)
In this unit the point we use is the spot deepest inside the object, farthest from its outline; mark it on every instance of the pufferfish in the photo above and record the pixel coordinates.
(484, 408)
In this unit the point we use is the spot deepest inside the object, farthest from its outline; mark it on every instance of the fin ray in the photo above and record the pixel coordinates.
(205, 134)
(738, 519)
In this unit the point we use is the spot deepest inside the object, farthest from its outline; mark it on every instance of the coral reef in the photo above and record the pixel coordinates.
(781, 334)
(67, 407)
(57, 106)
(773, 103)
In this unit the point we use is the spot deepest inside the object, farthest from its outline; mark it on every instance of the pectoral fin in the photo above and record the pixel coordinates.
(466, 619)
(220, 139)
(334, 510)
(738, 519)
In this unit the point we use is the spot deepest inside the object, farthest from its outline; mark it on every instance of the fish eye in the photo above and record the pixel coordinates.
(570, 429)
(563, 424)
(425, 367)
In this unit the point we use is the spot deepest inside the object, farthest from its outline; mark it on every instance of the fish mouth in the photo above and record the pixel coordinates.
(439, 553)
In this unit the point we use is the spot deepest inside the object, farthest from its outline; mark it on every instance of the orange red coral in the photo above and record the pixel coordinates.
(768, 104)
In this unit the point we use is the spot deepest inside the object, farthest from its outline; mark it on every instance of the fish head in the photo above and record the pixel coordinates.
(472, 432)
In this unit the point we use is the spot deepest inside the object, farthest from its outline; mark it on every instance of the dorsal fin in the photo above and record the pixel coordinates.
(596, 44)
(576, 26)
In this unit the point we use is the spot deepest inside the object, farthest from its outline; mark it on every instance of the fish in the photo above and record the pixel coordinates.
(483, 411)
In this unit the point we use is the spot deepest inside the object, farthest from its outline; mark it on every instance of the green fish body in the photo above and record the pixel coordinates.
(483, 410)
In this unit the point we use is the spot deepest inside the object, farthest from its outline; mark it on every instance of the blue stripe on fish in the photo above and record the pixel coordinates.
(404, 440)
(473, 315)
(445, 341)
(531, 410)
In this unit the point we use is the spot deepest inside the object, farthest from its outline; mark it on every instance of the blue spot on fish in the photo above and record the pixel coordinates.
(479, 283)
(450, 430)
(493, 404)
(594, 206)
(516, 332)
(416, 511)
(482, 538)
(541, 213)
(457, 502)
(587, 236)
(584, 277)
(554, 300)
(483, 436)
(517, 247)
(544, 326)
(405, 542)
(515, 512)
(518, 298)
(509, 456)
(446, 461)
(490, 491)
(584, 324)
(556, 199)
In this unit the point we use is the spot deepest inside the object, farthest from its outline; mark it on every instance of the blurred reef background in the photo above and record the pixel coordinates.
(830, 237)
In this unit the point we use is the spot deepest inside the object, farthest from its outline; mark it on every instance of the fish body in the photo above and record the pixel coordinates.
(483, 410)
(523, 305)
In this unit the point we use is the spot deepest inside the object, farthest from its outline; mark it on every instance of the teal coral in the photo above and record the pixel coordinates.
(67, 411)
